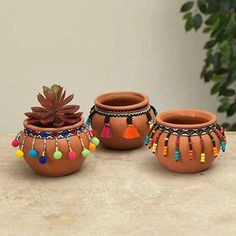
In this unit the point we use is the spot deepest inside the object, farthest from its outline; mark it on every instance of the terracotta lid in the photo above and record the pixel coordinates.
(120, 101)
(38, 128)
(186, 118)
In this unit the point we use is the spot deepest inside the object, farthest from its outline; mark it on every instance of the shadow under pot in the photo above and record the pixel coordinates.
(55, 151)
(121, 120)
(186, 141)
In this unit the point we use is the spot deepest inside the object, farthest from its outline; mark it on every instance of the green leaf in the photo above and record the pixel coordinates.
(225, 125)
(202, 6)
(216, 60)
(210, 44)
(223, 108)
(207, 30)
(228, 92)
(187, 6)
(211, 19)
(232, 109)
(233, 127)
(208, 76)
(197, 21)
(216, 88)
(187, 16)
(189, 24)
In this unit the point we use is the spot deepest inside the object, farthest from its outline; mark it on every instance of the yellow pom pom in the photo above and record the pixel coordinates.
(19, 154)
(92, 147)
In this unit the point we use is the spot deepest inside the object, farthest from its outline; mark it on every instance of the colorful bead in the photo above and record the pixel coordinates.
(32, 153)
(154, 148)
(95, 141)
(146, 140)
(42, 160)
(92, 147)
(57, 155)
(72, 155)
(164, 151)
(176, 155)
(190, 155)
(222, 146)
(203, 157)
(85, 152)
(19, 154)
(93, 133)
(215, 152)
(15, 143)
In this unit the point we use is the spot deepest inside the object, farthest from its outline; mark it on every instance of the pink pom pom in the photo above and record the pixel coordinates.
(15, 143)
(72, 155)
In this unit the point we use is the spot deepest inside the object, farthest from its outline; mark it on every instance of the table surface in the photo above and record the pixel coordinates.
(118, 193)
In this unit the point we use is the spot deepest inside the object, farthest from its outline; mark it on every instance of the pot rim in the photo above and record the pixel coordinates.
(210, 117)
(99, 101)
(49, 129)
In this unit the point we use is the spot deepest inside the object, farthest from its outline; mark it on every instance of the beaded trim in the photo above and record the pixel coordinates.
(53, 134)
(122, 113)
(186, 132)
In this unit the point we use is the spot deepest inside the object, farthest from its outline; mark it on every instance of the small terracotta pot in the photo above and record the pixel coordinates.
(186, 141)
(122, 119)
(38, 147)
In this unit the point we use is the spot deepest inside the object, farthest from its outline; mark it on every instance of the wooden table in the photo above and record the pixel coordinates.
(118, 193)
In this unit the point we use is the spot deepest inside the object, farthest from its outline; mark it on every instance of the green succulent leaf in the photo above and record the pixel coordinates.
(216, 88)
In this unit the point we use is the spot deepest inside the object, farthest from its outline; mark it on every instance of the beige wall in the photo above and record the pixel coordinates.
(94, 46)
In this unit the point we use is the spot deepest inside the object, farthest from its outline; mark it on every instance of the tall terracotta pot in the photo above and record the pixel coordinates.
(54, 151)
(186, 141)
(122, 119)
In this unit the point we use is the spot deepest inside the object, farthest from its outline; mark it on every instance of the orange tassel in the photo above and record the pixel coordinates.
(131, 132)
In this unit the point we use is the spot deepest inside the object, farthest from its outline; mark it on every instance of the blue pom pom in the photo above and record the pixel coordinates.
(32, 153)
(42, 160)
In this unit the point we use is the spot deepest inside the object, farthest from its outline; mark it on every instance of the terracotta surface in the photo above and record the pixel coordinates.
(121, 101)
(53, 167)
(186, 119)
(115, 193)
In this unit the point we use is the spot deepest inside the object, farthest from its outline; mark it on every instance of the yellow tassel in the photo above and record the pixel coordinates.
(131, 132)
(154, 148)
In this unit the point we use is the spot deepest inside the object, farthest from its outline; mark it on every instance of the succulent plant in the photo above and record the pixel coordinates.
(54, 111)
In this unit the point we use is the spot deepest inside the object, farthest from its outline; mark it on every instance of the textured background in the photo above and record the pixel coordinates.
(91, 47)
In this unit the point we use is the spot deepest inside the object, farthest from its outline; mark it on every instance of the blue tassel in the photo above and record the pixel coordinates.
(88, 123)
(223, 146)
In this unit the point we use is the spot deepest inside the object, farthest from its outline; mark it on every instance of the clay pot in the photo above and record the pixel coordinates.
(71, 143)
(186, 141)
(122, 119)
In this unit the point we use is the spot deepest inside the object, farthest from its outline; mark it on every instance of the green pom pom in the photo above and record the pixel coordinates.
(95, 141)
(85, 152)
(57, 155)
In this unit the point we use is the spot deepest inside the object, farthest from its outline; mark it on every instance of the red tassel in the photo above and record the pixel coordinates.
(106, 131)
(131, 132)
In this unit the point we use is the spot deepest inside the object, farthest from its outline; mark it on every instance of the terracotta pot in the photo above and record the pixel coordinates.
(54, 151)
(186, 141)
(122, 119)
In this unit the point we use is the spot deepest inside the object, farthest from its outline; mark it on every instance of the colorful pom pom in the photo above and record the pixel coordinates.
(42, 160)
(57, 155)
(85, 152)
(32, 153)
(72, 155)
(19, 154)
(15, 143)
(92, 147)
(93, 133)
(95, 141)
